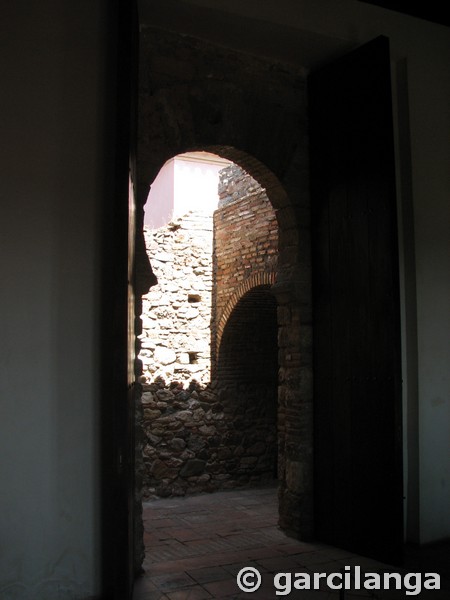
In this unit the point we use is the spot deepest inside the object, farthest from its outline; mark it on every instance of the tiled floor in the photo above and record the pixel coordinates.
(195, 547)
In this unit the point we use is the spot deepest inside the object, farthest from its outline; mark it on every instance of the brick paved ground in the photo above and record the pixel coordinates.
(195, 546)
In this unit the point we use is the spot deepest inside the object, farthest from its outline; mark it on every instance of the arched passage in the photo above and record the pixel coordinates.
(247, 380)
(215, 255)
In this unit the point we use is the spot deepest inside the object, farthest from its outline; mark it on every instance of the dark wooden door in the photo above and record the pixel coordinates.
(357, 379)
(117, 318)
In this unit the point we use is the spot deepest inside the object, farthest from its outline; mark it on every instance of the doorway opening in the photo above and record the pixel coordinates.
(209, 339)
(190, 100)
(194, 96)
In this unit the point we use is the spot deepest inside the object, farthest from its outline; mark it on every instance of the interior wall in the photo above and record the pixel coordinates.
(310, 34)
(52, 176)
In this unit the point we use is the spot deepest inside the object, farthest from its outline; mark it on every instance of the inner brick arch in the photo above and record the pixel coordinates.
(247, 376)
(194, 96)
(252, 325)
(260, 278)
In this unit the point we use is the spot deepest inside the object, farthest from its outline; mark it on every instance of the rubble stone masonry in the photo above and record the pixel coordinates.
(176, 317)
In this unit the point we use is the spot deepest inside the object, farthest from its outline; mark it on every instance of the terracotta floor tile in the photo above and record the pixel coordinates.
(195, 546)
(277, 564)
(208, 574)
(173, 581)
(222, 589)
(193, 593)
(183, 535)
(158, 523)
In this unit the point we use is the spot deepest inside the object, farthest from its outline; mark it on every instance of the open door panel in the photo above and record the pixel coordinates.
(357, 376)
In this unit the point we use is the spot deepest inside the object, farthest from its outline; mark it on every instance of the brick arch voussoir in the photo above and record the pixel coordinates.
(254, 280)
(258, 170)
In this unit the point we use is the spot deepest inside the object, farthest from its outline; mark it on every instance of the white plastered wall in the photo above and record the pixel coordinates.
(52, 78)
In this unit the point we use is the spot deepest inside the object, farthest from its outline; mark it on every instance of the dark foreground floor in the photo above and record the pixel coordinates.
(196, 546)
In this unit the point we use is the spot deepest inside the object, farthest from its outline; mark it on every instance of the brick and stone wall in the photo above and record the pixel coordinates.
(194, 95)
(202, 435)
(245, 245)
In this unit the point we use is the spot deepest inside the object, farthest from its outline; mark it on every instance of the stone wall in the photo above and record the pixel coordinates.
(200, 439)
(176, 320)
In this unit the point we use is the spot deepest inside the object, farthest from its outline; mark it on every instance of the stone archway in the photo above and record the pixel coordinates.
(195, 96)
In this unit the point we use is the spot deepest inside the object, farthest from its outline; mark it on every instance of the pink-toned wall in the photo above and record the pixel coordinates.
(160, 202)
(187, 182)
